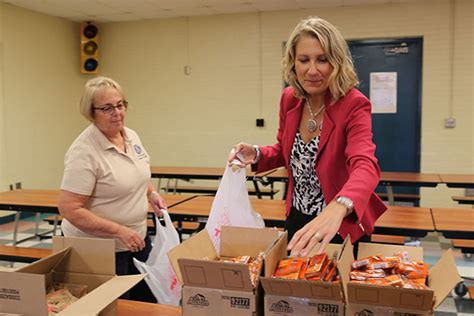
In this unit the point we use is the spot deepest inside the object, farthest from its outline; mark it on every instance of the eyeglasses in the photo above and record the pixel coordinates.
(108, 109)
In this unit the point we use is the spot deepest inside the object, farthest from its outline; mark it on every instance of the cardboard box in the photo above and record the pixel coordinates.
(83, 261)
(297, 297)
(383, 300)
(221, 288)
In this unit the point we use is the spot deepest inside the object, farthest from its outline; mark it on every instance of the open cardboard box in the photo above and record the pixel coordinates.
(216, 288)
(300, 297)
(83, 261)
(383, 300)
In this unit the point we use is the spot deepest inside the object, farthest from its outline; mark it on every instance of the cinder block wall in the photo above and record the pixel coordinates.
(193, 120)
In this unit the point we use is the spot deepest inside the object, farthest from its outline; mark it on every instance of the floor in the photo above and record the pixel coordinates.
(433, 246)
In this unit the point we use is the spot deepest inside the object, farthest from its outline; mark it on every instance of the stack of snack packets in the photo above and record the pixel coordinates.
(396, 270)
(316, 268)
(254, 264)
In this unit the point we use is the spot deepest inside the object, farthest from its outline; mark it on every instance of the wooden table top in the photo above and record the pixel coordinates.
(409, 179)
(407, 221)
(209, 173)
(273, 210)
(30, 200)
(458, 180)
(463, 199)
(404, 217)
(454, 219)
(35, 200)
(134, 308)
(386, 178)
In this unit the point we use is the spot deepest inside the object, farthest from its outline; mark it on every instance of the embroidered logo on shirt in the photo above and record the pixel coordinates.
(138, 149)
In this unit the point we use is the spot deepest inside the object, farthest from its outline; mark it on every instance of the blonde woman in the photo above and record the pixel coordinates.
(325, 142)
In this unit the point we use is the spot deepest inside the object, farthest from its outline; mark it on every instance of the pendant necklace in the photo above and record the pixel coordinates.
(312, 125)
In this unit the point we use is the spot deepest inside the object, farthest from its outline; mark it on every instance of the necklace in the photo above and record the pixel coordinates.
(312, 125)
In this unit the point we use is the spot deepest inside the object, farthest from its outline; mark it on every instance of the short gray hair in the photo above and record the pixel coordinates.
(86, 106)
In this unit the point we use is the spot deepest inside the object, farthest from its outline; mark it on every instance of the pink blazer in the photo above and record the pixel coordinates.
(345, 162)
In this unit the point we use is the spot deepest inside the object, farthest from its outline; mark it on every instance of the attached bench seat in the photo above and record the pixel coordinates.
(58, 218)
(213, 190)
(466, 245)
(401, 197)
(388, 239)
(463, 199)
(185, 228)
(23, 254)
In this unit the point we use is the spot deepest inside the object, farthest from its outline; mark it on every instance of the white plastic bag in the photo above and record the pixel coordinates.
(161, 278)
(231, 206)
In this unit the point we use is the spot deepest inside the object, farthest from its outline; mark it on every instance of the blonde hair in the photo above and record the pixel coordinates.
(98, 84)
(343, 76)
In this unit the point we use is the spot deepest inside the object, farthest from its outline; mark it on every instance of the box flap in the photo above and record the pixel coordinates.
(346, 257)
(276, 252)
(443, 277)
(215, 274)
(45, 265)
(88, 255)
(302, 288)
(236, 241)
(412, 299)
(369, 249)
(17, 290)
(101, 297)
(198, 246)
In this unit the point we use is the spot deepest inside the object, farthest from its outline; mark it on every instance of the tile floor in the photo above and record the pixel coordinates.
(433, 246)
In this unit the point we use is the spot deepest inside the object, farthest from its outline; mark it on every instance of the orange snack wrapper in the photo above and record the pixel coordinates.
(255, 266)
(289, 268)
(331, 271)
(381, 282)
(421, 271)
(367, 274)
(315, 265)
(362, 263)
(301, 275)
(394, 280)
(411, 284)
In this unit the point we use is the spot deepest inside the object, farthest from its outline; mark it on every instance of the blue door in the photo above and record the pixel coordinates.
(396, 135)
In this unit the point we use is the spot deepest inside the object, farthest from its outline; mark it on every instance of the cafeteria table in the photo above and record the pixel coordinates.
(397, 220)
(46, 201)
(454, 223)
(458, 180)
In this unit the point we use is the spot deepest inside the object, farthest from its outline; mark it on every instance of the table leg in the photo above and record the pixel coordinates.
(391, 199)
(37, 221)
(257, 189)
(15, 230)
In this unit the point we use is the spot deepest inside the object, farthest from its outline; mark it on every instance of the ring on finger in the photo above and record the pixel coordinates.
(317, 235)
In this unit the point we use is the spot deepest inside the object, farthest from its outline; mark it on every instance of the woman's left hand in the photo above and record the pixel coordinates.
(321, 229)
(157, 203)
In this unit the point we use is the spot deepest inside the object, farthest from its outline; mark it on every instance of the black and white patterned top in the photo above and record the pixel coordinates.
(307, 193)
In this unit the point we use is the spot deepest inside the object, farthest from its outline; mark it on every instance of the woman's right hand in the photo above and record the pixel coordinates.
(244, 153)
(130, 239)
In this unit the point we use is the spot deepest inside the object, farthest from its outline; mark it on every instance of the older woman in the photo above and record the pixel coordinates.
(324, 140)
(106, 185)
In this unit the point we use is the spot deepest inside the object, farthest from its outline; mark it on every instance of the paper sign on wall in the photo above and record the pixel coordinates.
(383, 92)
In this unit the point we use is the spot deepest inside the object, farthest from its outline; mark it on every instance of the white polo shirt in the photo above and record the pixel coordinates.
(116, 182)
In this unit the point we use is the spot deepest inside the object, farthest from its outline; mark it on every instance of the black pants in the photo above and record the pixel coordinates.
(124, 266)
(296, 220)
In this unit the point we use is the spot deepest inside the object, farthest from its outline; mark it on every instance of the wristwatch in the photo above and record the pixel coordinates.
(347, 203)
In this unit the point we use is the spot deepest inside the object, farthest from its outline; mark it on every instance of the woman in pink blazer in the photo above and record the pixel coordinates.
(324, 140)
